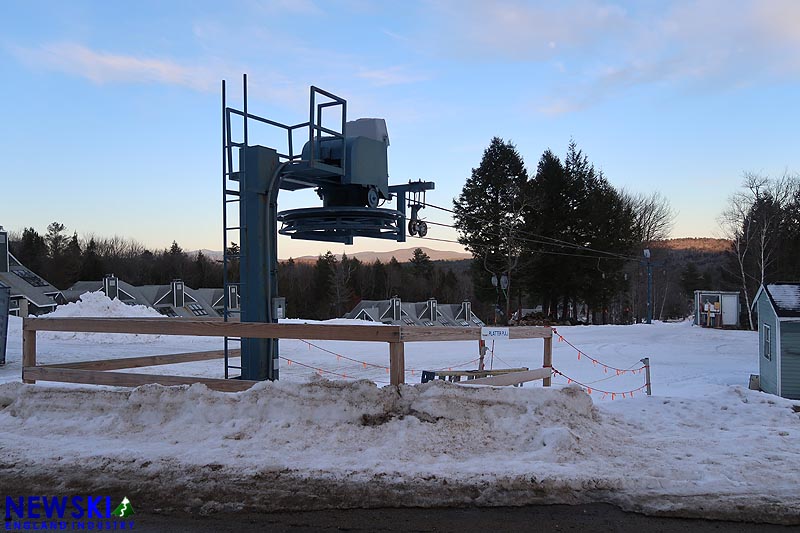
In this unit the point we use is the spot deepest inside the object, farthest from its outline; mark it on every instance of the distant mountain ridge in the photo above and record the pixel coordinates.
(702, 244)
(403, 255)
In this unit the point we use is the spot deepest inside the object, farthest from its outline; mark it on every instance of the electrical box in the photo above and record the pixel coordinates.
(279, 308)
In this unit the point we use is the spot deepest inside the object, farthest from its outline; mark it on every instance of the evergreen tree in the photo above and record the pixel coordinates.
(575, 215)
(488, 214)
(91, 264)
(321, 288)
(32, 250)
(548, 218)
(380, 289)
(200, 273)
(340, 285)
(71, 262)
(233, 263)
(395, 281)
(421, 264)
(55, 239)
(175, 260)
(692, 280)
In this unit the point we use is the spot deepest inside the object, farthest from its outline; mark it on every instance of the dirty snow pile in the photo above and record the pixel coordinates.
(331, 444)
(701, 445)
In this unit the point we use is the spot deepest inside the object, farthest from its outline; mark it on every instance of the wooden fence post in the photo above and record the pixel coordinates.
(547, 359)
(397, 363)
(481, 354)
(28, 352)
(646, 363)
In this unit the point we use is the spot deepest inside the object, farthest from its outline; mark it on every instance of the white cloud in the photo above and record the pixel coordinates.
(514, 30)
(104, 67)
(107, 68)
(701, 44)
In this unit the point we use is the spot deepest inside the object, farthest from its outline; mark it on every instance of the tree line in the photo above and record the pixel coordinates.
(63, 259)
(333, 285)
(326, 288)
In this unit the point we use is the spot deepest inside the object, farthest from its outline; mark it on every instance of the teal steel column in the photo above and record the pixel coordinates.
(259, 257)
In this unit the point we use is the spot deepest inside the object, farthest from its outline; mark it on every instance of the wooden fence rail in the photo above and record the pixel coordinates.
(99, 372)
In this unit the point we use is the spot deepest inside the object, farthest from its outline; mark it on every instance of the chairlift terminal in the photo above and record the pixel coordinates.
(347, 166)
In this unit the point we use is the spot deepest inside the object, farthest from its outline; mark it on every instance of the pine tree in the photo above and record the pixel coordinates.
(488, 215)
(71, 261)
(395, 281)
(548, 218)
(340, 285)
(421, 264)
(55, 239)
(176, 262)
(575, 215)
(91, 264)
(321, 287)
(32, 250)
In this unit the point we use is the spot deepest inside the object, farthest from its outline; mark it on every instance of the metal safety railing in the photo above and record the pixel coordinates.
(233, 168)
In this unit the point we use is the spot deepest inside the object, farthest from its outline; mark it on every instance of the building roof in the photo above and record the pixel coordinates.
(159, 297)
(24, 282)
(784, 297)
(415, 313)
(212, 297)
(128, 293)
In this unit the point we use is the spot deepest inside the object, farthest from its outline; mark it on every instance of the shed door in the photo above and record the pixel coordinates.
(730, 310)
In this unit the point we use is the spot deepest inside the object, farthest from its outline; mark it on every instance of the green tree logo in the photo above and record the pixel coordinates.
(124, 509)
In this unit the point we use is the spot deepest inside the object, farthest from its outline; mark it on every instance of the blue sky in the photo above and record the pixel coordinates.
(111, 122)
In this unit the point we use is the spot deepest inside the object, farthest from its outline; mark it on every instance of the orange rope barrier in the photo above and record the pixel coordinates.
(605, 393)
(606, 368)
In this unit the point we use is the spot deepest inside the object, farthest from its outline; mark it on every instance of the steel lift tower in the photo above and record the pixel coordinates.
(346, 163)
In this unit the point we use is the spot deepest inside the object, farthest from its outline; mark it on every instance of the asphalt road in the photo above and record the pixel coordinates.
(560, 518)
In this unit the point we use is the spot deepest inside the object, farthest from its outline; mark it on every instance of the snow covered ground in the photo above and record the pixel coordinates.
(701, 445)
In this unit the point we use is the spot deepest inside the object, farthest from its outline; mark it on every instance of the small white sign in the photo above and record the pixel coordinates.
(495, 333)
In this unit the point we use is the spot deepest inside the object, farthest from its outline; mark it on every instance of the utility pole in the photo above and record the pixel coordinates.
(649, 286)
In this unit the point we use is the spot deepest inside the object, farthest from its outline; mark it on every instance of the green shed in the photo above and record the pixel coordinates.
(778, 307)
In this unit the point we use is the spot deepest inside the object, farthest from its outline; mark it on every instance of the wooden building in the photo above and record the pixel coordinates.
(30, 293)
(778, 307)
(716, 309)
(430, 313)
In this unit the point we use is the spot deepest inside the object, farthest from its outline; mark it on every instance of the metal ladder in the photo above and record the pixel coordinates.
(231, 205)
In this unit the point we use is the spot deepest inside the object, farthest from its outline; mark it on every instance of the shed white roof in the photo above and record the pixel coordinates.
(785, 295)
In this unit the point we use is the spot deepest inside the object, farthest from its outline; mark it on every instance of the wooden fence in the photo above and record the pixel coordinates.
(101, 372)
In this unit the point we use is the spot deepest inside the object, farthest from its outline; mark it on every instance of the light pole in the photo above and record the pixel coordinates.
(649, 286)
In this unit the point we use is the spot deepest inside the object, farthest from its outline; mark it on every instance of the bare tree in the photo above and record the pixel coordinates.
(654, 216)
(340, 290)
(752, 222)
